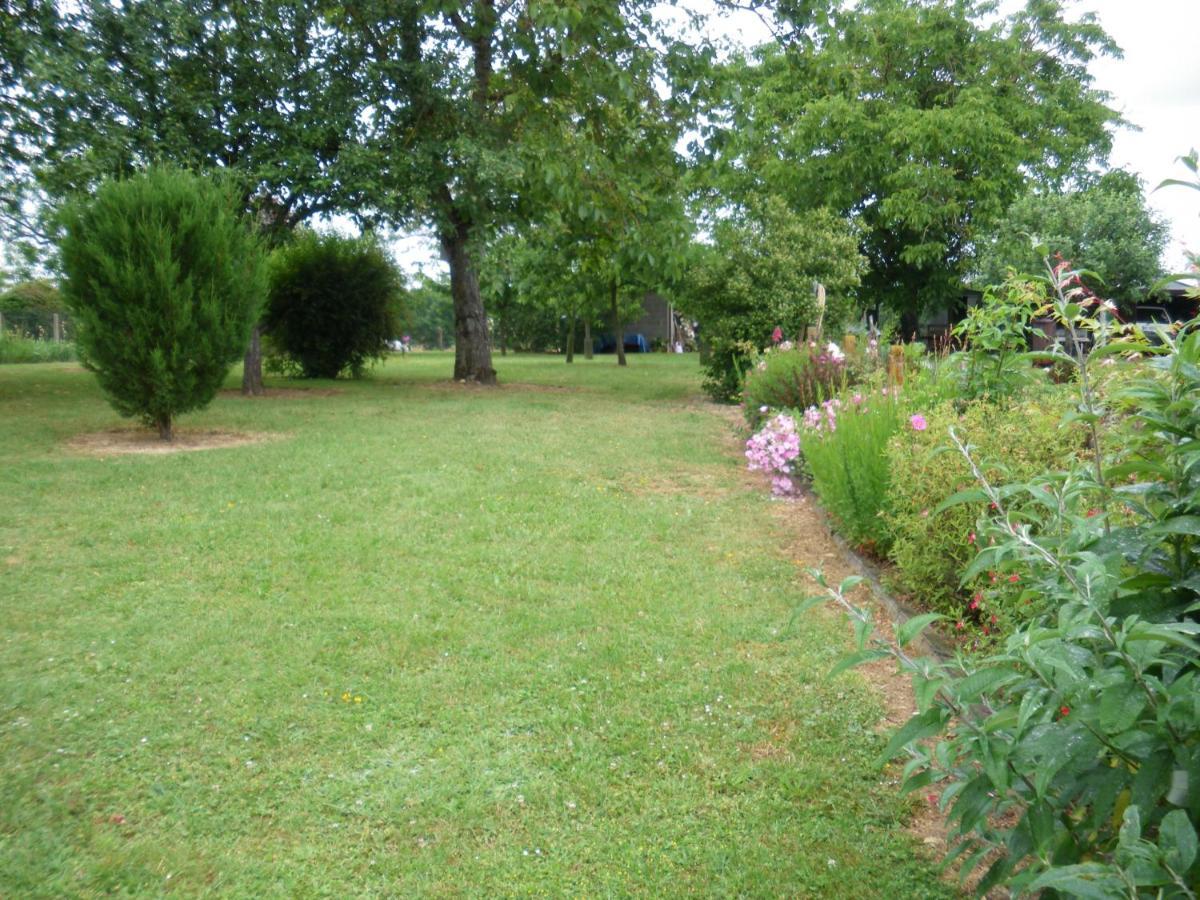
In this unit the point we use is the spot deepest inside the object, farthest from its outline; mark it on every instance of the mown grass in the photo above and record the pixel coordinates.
(432, 641)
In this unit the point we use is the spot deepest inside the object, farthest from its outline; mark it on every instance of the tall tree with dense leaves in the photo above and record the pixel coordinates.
(922, 121)
(463, 100)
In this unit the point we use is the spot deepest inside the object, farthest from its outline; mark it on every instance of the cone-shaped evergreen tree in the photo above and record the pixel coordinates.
(164, 281)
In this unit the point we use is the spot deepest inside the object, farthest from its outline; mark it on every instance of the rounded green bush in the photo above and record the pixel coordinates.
(932, 549)
(164, 281)
(332, 303)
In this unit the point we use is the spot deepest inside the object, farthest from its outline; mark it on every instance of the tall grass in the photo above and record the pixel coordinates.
(845, 446)
(17, 348)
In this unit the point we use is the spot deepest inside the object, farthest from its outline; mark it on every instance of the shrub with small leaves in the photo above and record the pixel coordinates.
(333, 303)
(795, 377)
(932, 546)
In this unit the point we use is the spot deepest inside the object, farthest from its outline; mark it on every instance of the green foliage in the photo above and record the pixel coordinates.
(930, 546)
(994, 335)
(164, 282)
(38, 295)
(760, 274)
(1068, 756)
(429, 312)
(1104, 229)
(332, 303)
(17, 348)
(257, 91)
(921, 120)
(795, 378)
(845, 443)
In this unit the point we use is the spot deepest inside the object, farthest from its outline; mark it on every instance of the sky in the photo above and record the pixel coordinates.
(1155, 86)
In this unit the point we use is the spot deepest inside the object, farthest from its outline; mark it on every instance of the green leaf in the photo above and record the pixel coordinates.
(856, 659)
(910, 628)
(984, 681)
(970, 495)
(1178, 525)
(1177, 838)
(917, 728)
(1087, 880)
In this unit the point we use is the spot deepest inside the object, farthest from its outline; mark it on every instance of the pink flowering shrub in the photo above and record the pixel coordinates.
(774, 449)
(796, 377)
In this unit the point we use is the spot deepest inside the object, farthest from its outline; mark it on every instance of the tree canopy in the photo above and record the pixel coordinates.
(1104, 228)
(922, 121)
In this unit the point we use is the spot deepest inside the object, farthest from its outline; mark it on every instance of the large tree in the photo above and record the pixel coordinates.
(463, 99)
(922, 120)
(1104, 227)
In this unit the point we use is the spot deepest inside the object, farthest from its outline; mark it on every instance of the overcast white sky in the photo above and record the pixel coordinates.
(1155, 86)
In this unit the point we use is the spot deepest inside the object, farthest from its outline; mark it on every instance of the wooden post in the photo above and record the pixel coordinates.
(56, 327)
(441, 340)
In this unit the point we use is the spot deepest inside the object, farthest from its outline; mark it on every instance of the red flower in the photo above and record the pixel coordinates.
(1014, 578)
(1064, 711)
(974, 604)
(971, 538)
(959, 625)
(777, 334)
(1093, 512)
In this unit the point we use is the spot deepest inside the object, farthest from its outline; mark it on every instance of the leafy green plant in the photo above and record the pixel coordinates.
(332, 303)
(844, 442)
(994, 335)
(164, 281)
(17, 348)
(1067, 758)
(931, 547)
(795, 378)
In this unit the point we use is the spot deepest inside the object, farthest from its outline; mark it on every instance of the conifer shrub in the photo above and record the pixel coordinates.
(164, 281)
(333, 303)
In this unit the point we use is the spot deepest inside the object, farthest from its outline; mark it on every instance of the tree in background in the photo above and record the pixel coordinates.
(332, 303)
(429, 312)
(464, 100)
(919, 120)
(164, 281)
(760, 273)
(1104, 227)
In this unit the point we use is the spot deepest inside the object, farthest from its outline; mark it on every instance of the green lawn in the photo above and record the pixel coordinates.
(431, 641)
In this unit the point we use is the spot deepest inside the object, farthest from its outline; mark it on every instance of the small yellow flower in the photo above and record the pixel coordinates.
(357, 699)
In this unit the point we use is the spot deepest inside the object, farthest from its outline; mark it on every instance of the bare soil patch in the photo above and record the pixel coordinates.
(505, 386)
(125, 441)
(285, 393)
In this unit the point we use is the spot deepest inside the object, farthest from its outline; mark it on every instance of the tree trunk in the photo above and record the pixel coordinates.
(587, 338)
(618, 327)
(472, 351)
(252, 380)
(503, 335)
(163, 424)
(571, 338)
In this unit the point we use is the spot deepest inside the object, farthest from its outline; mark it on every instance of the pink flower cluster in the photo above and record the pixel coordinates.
(824, 417)
(774, 449)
